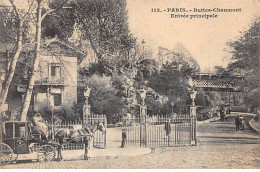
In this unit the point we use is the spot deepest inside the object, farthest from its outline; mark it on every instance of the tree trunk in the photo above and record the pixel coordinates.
(12, 67)
(29, 91)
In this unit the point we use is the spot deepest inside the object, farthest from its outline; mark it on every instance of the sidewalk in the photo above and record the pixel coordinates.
(108, 152)
(95, 152)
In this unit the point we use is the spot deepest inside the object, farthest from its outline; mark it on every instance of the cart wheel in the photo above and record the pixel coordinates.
(46, 153)
(6, 154)
(14, 158)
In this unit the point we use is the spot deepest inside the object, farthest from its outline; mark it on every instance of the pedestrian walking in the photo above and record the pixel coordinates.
(60, 157)
(242, 122)
(237, 122)
(124, 136)
(222, 113)
(218, 110)
(86, 140)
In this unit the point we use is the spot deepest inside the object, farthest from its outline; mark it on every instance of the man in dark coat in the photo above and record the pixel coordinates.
(237, 122)
(60, 158)
(167, 128)
(86, 140)
(123, 138)
(241, 122)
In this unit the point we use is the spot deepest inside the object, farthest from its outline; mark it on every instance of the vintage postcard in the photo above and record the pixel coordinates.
(129, 84)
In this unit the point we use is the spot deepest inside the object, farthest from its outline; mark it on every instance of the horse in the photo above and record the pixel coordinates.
(75, 136)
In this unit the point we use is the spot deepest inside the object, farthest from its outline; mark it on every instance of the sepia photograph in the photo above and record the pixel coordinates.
(129, 84)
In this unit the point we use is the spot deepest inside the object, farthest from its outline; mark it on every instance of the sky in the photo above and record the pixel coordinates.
(204, 38)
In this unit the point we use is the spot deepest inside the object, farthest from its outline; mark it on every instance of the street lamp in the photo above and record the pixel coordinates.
(193, 106)
(143, 108)
(172, 104)
(193, 96)
(86, 106)
(143, 95)
(86, 92)
(143, 114)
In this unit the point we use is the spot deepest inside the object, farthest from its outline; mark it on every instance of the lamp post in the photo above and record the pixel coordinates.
(143, 113)
(143, 108)
(193, 117)
(143, 95)
(193, 96)
(193, 106)
(172, 105)
(86, 106)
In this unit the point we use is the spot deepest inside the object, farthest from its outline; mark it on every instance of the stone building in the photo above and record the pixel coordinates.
(56, 78)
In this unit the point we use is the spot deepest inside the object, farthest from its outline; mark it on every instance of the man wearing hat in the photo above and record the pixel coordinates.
(123, 138)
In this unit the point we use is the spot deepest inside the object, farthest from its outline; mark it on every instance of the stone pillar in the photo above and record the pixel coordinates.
(193, 116)
(193, 111)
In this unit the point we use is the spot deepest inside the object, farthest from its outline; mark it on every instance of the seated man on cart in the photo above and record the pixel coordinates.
(39, 128)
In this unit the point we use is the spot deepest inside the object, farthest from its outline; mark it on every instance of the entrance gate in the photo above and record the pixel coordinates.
(160, 131)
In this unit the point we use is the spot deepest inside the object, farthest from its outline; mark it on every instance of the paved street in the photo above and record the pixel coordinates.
(219, 146)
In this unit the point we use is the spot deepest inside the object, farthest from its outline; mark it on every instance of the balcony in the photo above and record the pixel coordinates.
(55, 80)
(50, 81)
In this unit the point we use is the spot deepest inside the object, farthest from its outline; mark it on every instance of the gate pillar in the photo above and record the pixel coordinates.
(143, 115)
(193, 117)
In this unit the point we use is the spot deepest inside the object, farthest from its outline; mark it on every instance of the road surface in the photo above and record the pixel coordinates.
(219, 146)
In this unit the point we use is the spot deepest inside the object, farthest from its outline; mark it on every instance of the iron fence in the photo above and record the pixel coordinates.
(160, 131)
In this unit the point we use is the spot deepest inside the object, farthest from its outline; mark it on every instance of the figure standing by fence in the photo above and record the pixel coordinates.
(222, 113)
(242, 122)
(86, 140)
(60, 158)
(237, 122)
(167, 128)
(124, 136)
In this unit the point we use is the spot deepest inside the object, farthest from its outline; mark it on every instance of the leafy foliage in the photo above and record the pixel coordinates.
(172, 83)
(103, 24)
(245, 55)
(103, 99)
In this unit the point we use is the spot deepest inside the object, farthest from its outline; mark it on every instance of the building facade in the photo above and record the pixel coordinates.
(55, 85)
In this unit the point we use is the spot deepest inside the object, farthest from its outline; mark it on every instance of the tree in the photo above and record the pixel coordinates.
(103, 99)
(38, 35)
(148, 67)
(104, 24)
(13, 21)
(219, 70)
(245, 60)
(173, 84)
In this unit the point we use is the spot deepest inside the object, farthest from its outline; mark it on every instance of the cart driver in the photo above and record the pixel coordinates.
(39, 125)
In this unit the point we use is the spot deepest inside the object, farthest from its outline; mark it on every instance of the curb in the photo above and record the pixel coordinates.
(243, 113)
(251, 126)
(208, 120)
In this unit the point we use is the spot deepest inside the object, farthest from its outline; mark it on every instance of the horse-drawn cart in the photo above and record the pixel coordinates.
(18, 139)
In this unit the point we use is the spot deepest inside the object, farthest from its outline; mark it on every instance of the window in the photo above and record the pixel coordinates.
(20, 130)
(55, 71)
(57, 99)
(9, 130)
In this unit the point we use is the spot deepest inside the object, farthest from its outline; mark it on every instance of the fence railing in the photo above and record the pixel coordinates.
(160, 131)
